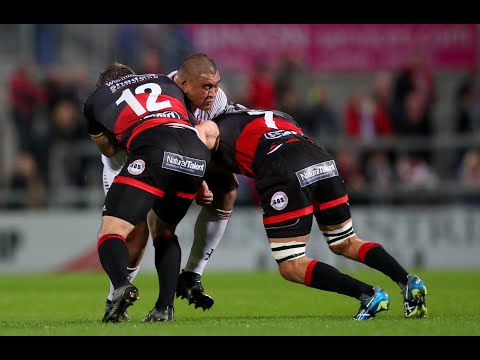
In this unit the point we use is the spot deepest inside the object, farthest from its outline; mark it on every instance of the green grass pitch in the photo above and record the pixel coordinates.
(246, 304)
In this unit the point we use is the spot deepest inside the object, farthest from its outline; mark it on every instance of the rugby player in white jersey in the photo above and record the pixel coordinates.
(207, 100)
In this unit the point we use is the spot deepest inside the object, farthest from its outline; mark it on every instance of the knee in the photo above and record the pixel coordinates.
(293, 270)
(286, 271)
(158, 227)
(340, 249)
(224, 199)
(348, 248)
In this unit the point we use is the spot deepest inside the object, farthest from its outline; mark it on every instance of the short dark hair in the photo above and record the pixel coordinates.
(114, 71)
(197, 64)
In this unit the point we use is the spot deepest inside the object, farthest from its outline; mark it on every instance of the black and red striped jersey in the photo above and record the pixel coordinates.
(134, 103)
(246, 136)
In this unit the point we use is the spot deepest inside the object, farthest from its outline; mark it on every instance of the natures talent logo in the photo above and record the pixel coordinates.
(185, 164)
(317, 172)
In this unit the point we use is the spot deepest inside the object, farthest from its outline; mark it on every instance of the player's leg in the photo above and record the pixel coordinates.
(295, 266)
(289, 184)
(377, 257)
(136, 243)
(180, 188)
(332, 212)
(136, 240)
(117, 222)
(168, 256)
(209, 228)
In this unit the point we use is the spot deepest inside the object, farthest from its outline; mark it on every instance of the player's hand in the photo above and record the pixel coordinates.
(204, 195)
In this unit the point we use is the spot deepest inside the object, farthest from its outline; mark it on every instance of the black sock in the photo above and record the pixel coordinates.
(378, 258)
(168, 256)
(326, 277)
(113, 255)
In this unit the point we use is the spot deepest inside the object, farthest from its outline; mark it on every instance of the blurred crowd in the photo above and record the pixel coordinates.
(365, 133)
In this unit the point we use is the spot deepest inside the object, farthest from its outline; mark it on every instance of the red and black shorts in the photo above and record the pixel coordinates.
(164, 170)
(297, 181)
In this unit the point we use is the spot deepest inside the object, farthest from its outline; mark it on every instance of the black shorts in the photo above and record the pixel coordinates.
(164, 170)
(297, 181)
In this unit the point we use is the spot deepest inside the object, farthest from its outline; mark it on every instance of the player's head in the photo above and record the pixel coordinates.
(114, 71)
(199, 77)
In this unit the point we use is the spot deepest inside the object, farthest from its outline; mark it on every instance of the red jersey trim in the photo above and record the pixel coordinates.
(185, 195)
(152, 123)
(138, 184)
(150, 189)
(288, 216)
(330, 204)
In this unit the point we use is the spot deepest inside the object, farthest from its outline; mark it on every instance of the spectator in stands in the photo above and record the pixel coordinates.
(465, 114)
(150, 62)
(412, 121)
(25, 98)
(415, 77)
(469, 173)
(26, 187)
(261, 87)
(379, 175)
(319, 117)
(365, 118)
(415, 172)
(287, 77)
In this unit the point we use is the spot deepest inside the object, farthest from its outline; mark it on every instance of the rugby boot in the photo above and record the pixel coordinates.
(190, 287)
(414, 293)
(374, 304)
(161, 315)
(123, 297)
(121, 316)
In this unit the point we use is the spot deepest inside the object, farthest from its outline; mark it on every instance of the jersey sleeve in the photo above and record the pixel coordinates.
(219, 104)
(93, 126)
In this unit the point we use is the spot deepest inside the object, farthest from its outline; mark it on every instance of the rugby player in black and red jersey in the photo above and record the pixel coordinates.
(199, 79)
(297, 179)
(166, 161)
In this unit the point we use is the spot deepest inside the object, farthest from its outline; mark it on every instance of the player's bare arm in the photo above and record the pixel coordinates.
(209, 134)
(106, 143)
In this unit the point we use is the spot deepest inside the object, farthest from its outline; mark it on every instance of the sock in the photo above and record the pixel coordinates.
(132, 273)
(168, 257)
(376, 257)
(325, 277)
(209, 229)
(113, 254)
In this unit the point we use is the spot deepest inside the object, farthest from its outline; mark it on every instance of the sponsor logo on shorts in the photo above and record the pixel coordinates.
(185, 164)
(317, 172)
(137, 167)
(279, 200)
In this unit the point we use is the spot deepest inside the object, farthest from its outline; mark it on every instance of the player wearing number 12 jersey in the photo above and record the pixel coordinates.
(166, 161)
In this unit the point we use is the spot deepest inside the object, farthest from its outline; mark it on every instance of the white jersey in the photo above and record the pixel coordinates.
(113, 165)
